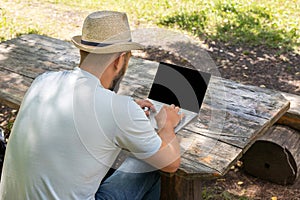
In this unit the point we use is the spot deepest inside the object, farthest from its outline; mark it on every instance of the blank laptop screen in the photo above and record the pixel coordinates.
(181, 86)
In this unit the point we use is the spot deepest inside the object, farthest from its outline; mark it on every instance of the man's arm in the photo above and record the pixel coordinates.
(168, 156)
(169, 152)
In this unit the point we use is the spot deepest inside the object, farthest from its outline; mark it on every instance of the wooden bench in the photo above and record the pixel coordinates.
(232, 116)
(275, 155)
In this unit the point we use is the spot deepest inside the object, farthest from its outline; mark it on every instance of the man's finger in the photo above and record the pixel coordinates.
(147, 113)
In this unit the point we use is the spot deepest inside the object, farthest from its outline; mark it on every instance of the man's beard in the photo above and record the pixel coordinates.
(114, 86)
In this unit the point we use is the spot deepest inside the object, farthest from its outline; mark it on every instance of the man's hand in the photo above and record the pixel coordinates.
(168, 116)
(146, 105)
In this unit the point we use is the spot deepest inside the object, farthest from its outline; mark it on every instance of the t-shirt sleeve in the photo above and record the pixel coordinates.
(134, 131)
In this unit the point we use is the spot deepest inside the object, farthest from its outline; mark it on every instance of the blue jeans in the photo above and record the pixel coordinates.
(133, 180)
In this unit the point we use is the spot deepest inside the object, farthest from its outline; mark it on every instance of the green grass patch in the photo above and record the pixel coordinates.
(213, 194)
(273, 23)
(10, 28)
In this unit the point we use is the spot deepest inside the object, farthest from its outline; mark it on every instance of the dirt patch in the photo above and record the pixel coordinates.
(259, 66)
(7, 117)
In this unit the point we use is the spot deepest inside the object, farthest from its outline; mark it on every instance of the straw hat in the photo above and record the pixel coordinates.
(105, 32)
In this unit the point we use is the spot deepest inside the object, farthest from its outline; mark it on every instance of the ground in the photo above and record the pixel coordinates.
(260, 66)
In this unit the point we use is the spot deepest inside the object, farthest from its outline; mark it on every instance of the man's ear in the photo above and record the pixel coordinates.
(118, 63)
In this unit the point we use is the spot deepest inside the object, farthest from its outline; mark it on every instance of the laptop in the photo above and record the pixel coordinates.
(181, 86)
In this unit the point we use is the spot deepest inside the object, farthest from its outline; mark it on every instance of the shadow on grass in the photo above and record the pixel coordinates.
(235, 25)
(255, 27)
(194, 22)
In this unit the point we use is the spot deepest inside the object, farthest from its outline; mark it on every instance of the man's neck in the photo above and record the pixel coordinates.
(92, 70)
(105, 77)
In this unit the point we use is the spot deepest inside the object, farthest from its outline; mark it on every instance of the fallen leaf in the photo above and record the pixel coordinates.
(240, 183)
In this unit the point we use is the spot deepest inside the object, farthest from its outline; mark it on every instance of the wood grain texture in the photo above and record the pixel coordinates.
(292, 117)
(275, 156)
(13, 87)
(31, 55)
(23, 59)
(231, 117)
(175, 187)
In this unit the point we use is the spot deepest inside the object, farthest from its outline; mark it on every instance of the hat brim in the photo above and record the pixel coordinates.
(113, 48)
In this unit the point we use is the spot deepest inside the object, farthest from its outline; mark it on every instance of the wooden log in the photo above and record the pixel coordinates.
(292, 117)
(275, 156)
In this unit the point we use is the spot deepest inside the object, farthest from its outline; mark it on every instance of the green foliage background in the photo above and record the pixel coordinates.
(273, 23)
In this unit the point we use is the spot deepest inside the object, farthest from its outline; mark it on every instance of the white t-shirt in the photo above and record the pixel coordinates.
(67, 134)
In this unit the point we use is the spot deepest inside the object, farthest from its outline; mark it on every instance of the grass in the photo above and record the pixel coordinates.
(272, 23)
(212, 194)
(10, 28)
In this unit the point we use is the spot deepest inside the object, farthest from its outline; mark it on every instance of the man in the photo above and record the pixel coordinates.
(71, 127)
